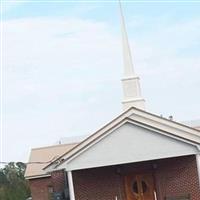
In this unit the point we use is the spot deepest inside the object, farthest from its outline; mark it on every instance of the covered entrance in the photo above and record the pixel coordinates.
(138, 156)
(140, 187)
(163, 179)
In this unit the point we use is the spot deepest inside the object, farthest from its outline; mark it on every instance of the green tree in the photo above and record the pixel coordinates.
(13, 185)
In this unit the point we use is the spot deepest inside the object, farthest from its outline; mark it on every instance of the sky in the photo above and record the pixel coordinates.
(62, 66)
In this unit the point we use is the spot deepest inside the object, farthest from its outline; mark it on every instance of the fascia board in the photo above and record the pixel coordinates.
(37, 176)
(168, 126)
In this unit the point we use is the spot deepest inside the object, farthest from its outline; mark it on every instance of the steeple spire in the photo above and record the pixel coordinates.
(130, 81)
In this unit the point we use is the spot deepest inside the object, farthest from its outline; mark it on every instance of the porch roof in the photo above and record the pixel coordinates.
(150, 121)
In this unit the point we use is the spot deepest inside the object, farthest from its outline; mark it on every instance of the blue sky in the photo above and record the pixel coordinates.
(62, 66)
(100, 11)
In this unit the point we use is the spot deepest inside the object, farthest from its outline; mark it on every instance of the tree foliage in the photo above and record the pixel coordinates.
(13, 185)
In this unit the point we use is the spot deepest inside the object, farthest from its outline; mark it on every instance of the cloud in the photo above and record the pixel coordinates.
(51, 74)
(168, 62)
(63, 76)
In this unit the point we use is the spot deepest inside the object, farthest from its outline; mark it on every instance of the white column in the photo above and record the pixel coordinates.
(198, 166)
(71, 185)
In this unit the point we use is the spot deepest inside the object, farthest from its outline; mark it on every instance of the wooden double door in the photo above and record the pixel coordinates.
(140, 187)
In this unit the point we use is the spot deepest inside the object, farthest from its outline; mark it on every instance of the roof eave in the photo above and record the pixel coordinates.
(37, 176)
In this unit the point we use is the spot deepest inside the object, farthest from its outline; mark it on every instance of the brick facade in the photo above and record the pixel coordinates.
(178, 176)
(58, 181)
(173, 177)
(97, 184)
(42, 188)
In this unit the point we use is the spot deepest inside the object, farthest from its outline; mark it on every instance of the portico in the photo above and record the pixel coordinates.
(137, 156)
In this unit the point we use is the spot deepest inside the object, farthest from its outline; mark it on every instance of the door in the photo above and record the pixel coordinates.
(140, 187)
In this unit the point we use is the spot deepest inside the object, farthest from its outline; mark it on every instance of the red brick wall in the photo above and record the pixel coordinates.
(177, 176)
(39, 187)
(58, 181)
(173, 177)
(97, 184)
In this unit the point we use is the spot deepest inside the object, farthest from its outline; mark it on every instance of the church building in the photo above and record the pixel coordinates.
(136, 156)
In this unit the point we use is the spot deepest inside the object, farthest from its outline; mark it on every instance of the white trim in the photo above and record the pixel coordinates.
(119, 125)
(140, 117)
(171, 135)
(198, 166)
(71, 185)
(93, 143)
(130, 78)
(166, 125)
(132, 100)
(37, 176)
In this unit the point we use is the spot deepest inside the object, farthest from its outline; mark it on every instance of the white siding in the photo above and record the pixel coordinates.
(129, 143)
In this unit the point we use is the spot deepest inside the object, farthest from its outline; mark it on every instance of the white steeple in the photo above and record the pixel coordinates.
(130, 81)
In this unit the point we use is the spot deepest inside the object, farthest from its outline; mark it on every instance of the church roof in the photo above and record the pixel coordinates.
(41, 157)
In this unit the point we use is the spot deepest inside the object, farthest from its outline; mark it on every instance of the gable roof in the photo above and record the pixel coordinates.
(40, 158)
(143, 118)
